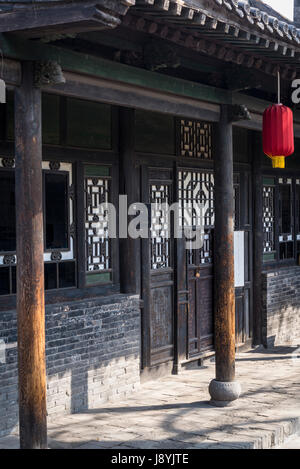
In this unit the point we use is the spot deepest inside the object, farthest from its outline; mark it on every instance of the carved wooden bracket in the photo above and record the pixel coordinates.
(238, 112)
(48, 73)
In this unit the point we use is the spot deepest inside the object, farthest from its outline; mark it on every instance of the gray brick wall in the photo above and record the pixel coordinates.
(93, 355)
(281, 306)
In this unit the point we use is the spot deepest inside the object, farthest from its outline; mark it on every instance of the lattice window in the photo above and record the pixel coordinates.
(98, 245)
(59, 226)
(195, 139)
(286, 219)
(196, 210)
(268, 219)
(160, 194)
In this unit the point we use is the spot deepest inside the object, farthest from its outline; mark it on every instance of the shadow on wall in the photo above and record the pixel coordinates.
(92, 353)
(281, 306)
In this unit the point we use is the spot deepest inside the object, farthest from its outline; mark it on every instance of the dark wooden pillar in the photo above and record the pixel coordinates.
(224, 252)
(224, 389)
(30, 264)
(130, 268)
(257, 186)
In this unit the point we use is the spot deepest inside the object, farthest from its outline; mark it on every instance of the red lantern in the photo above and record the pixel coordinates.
(278, 134)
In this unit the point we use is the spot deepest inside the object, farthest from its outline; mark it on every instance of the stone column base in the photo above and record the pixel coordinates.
(223, 393)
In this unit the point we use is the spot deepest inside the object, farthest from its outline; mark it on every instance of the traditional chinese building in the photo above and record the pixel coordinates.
(162, 101)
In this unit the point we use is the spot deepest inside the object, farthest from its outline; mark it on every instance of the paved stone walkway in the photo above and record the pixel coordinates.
(173, 412)
(293, 442)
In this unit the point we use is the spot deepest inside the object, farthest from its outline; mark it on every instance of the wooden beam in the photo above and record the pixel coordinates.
(30, 271)
(132, 96)
(40, 20)
(14, 47)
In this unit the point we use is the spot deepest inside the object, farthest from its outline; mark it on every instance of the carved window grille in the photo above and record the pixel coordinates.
(279, 224)
(160, 195)
(195, 139)
(98, 242)
(196, 210)
(268, 219)
(59, 261)
(286, 238)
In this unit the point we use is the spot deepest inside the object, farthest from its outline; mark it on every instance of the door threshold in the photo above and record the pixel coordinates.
(200, 356)
(157, 371)
(244, 347)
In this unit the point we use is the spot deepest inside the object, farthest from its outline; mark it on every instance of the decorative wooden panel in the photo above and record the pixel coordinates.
(268, 219)
(160, 229)
(195, 139)
(196, 210)
(97, 191)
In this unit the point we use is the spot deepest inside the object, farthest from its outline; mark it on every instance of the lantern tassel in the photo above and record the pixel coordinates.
(278, 161)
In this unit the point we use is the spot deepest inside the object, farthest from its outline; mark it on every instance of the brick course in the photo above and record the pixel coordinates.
(93, 355)
(281, 306)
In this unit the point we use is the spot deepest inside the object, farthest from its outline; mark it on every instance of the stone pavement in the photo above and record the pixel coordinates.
(173, 412)
(293, 442)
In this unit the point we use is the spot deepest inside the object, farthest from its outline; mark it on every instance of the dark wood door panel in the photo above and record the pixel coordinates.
(158, 279)
(200, 315)
(206, 317)
(161, 324)
(193, 342)
(239, 316)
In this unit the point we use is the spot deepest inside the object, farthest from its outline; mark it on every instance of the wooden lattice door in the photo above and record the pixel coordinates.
(157, 270)
(195, 190)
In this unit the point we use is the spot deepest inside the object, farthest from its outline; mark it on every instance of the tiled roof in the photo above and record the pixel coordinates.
(241, 31)
(268, 9)
(253, 14)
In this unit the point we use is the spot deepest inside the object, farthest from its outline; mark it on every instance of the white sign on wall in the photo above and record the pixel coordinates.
(2, 91)
(239, 258)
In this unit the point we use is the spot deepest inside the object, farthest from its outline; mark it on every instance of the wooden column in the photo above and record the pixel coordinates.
(30, 264)
(130, 268)
(224, 389)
